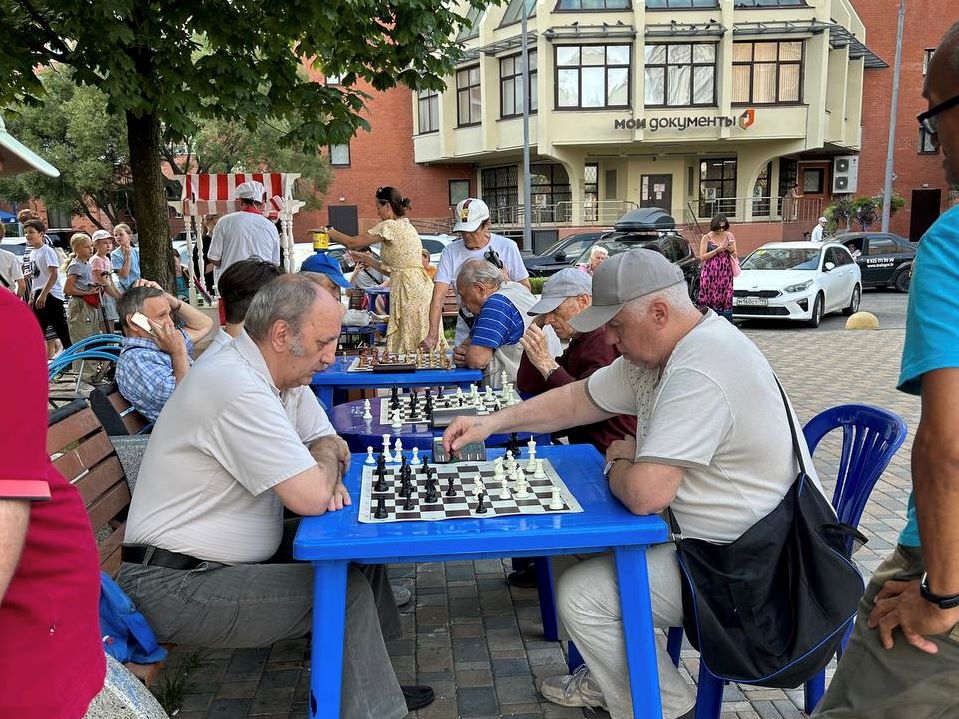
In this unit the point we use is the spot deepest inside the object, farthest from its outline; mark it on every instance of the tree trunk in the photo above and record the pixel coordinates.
(149, 198)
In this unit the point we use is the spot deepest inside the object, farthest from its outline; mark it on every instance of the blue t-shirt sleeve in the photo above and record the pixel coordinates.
(499, 323)
(932, 319)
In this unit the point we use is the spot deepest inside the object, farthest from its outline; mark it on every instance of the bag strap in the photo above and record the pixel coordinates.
(674, 528)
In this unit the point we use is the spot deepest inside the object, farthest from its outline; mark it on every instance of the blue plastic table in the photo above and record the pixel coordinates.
(332, 541)
(330, 384)
(347, 419)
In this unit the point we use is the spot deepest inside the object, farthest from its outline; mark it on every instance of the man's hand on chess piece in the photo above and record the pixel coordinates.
(430, 341)
(459, 354)
(463, 430)
(534, 343)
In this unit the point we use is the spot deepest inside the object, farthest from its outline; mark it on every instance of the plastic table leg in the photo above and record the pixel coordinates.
(547, 602)
(329, 623)
(638, 631)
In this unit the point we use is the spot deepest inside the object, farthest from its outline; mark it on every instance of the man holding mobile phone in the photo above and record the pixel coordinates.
(160, 332)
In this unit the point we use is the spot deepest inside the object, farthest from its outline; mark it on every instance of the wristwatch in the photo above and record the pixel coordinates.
(610, 463)
(943, 602)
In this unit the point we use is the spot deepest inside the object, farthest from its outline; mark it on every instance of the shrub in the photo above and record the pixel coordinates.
(536, 284)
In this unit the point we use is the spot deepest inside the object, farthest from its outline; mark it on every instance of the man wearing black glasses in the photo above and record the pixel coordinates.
(903, 657)
(478, 243)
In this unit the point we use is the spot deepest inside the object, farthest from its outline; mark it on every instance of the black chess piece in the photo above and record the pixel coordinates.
(431, 495)
(380, 485)
(380, 512)
(450, 492)
(439, 393)
(481, 506)
(403, 463)
(413, 400)
(408, 504)
(428, 393)
(513, 445)
(426, 467)
(395, 398)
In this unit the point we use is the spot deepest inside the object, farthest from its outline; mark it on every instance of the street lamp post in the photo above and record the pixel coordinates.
(893, 112)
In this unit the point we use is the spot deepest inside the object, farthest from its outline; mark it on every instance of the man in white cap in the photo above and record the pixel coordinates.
(477, 242)
(712, 443)
(817, 231)
(246, 233)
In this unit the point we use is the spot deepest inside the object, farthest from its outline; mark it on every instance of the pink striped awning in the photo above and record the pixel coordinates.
(272, 208)
(214, 194)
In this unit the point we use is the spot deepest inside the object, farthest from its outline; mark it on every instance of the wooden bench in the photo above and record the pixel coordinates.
(115, 413)
(82, 452)
(451, 307)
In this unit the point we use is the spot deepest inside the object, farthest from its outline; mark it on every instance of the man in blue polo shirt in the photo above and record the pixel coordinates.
(500, 310)
(903, 656)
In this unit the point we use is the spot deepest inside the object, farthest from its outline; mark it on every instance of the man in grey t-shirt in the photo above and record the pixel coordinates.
(712, 443)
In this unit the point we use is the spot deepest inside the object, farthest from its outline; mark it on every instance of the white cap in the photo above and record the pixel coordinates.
(823, 219)
(251, 190)
(102, 234)
(470, 214)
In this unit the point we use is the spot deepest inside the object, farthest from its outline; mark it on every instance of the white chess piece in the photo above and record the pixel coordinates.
(367, 414)
(521, 490)
(387, 456)
(489, 393)
(478, 486)
(398, 449)
(369, 456)
(498, 472)
(397, 420)
(540, 473)
(503, 378)
(416, 456)
(503, 489)
(556, 502)
(531, 464)
(459, 393)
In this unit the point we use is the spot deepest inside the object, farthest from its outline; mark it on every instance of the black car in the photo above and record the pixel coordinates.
(884, 259)
(651, 229)
(560, 255)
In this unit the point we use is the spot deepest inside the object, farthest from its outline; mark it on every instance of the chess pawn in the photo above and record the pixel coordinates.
(459, 393)
(521, 489)
(540, 472)
(489, 393)
(556, 501)
(369, 456)
(503, 489)
(416, 456)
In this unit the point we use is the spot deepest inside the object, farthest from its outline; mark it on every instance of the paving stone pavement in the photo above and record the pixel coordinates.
(479, 643)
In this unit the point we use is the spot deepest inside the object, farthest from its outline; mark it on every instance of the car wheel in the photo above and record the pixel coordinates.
(816, 317)
(853, 307)
(903, 279)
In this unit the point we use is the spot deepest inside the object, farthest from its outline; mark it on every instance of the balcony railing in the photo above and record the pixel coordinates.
(600, 213)
(758, 209)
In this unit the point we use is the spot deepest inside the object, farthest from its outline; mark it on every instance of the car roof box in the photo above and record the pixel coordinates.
(645, 218)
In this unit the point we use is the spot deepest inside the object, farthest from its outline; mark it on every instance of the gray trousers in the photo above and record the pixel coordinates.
(874, 683)
(255, 605)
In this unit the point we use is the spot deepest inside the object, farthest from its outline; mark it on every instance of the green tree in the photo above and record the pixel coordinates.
(86, 144)
(166, 64)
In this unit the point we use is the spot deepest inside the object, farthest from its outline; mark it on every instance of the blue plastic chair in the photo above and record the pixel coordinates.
(106, 342)
(63, 363)
(870, 438)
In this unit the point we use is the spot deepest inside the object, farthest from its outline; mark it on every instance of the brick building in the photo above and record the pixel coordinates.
(918, 169)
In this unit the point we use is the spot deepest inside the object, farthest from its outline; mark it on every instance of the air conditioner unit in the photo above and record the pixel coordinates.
(845, 174)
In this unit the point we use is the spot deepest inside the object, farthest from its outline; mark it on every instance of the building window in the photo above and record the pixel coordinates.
(766, 73)
(926, 145)
(470, 27)
(428, 106)
(514, 9)
(550, 192)
(761, 191)
(568, 5)
(769, 3)
(813, 180)
(459, 191)
(926, 57)
(511, 85)
(592, 76)
(680, 75)
(680, 4)
(591, 192)
(717, 187)
(469, 104)
(501, 193)
(340, 155)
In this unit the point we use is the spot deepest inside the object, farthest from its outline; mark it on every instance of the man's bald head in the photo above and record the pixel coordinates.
(325, 282)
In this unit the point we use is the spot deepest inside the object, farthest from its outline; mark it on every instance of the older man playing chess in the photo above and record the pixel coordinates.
(500, 318)
(207, 555)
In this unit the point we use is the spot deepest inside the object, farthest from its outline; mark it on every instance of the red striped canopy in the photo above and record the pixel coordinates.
(211, 194)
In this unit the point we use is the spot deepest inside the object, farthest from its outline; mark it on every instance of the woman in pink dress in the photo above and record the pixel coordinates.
(717, 253)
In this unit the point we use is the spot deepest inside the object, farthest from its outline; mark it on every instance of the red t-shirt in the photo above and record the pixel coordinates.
(51, 655)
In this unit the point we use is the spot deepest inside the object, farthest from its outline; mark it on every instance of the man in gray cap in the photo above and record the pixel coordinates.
(565, 295)
(246, 233)
(712, 443)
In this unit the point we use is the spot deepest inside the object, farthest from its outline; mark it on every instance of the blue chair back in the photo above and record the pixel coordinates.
(870, 438)
(106, 342)
(62, 363)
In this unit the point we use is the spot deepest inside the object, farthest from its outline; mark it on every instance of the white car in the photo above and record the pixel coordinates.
(434, 244)
(797, 281)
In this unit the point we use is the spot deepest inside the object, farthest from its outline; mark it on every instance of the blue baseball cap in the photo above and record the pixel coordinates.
(325, 265)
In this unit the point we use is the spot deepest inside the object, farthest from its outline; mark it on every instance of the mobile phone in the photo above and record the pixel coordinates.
(141, 321)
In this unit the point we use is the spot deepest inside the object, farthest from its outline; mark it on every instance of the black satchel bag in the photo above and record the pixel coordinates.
(771, 607)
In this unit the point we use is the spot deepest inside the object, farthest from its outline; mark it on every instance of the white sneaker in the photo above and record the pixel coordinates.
(573, 690)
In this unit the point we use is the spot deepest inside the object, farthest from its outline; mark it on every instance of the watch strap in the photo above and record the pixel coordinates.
(942, 601)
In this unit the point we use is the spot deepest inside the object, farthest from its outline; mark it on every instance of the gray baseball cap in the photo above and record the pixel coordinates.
(624, 277)
(565, 283)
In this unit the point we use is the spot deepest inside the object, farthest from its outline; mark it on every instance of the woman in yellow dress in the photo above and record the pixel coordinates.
(401, 259)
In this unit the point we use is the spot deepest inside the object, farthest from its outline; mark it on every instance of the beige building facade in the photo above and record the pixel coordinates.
(747, 107)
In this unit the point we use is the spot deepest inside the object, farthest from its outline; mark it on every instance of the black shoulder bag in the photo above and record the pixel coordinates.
(771, 607)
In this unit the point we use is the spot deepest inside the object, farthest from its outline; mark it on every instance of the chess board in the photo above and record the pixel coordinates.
(446, 402)
(464, 502)
(425, 360)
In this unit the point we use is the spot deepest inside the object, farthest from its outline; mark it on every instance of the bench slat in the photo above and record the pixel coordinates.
(109, 505)
(98, 482)
(85, 456)
(109, 550)
(73, 428)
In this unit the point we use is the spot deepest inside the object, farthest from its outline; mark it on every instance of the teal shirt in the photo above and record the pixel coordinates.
(932, 321)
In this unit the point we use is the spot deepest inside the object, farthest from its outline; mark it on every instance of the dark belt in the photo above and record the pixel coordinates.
(147, 555)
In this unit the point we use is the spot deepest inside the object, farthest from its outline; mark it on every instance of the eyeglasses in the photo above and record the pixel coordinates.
(492, 257)
(928, 119)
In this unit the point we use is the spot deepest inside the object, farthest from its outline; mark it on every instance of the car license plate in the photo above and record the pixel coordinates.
(752, 301)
